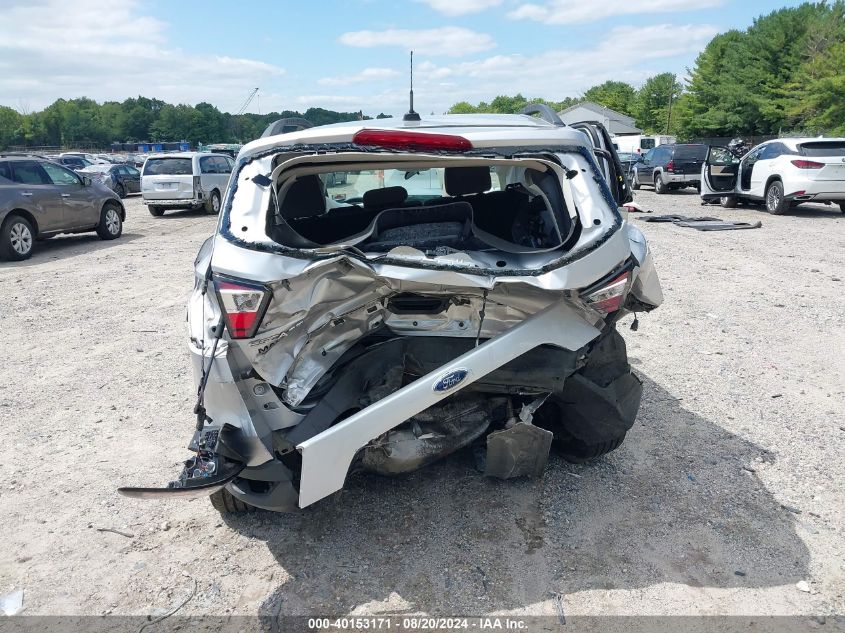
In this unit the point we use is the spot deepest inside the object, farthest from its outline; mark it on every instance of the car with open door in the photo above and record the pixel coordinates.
(780, 173)
(463, 293)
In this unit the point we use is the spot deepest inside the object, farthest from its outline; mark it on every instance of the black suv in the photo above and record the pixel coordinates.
(670, 167)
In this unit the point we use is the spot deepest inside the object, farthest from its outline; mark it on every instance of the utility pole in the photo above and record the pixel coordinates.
(671, 92)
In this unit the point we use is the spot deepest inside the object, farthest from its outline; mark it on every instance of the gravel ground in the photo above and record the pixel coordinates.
(727, 493)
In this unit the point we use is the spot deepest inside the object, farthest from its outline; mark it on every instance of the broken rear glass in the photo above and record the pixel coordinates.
(455, 208)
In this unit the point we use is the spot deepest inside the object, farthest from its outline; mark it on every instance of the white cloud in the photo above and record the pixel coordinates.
(454, 8)
(450, 41)
(560, 73)
(569, 12)
(53, 48)
(368, 75)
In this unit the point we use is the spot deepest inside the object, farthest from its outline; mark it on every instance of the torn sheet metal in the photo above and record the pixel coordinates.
(520, 451)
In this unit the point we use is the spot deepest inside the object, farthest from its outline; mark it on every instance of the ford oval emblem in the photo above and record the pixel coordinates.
(450, 380)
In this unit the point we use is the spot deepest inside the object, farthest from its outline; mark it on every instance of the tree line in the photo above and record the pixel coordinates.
(784, 74)
(86, 123)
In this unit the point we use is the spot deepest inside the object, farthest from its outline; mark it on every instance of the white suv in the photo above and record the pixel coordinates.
(782, 172)
(465, 279)
(185, 180)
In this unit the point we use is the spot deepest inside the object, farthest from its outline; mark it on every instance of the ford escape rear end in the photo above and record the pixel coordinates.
(459, 287)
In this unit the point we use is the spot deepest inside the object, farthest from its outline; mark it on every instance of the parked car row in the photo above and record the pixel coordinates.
(779, 173)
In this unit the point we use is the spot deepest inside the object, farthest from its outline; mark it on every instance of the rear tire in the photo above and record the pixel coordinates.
(111, 224)
(212, 206)
(729, 202)
(577, 452)
(776, 203)
(155, 211)
(659, 185)
(226, 503)
(597, 405)
(17, 239)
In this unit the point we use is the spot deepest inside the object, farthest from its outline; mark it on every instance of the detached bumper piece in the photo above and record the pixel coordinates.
(204, 473)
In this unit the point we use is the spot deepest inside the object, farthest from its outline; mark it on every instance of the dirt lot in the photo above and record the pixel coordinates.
(727, 493)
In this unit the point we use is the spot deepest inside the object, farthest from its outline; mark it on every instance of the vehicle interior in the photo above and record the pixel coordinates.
(443, 209)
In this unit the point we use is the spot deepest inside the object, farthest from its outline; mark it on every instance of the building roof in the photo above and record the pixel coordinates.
(600, 109)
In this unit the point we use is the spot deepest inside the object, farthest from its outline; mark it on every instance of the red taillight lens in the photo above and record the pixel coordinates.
(197, 185)
(609, 297)
(807, 164)
(412, 141)
(243, 305)
(670, 166)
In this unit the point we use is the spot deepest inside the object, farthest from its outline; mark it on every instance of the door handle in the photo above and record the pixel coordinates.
(65, 195)
(28, 194)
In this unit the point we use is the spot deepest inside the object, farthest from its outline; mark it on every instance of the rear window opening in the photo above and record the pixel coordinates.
(823, 148)
(437, 210)
(690, 152)
(168, 167)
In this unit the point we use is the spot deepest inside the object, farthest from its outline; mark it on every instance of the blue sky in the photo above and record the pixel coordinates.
(349, 55)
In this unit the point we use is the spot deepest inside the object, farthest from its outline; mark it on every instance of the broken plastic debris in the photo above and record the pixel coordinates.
(12, 603)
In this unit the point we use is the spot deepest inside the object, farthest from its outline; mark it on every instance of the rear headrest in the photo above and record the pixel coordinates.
(304, 199)
(461, 181)
(387, 197)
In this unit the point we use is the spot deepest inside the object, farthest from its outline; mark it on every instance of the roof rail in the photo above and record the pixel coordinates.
(545, 112)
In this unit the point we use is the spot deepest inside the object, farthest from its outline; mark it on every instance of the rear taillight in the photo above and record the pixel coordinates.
(197, 185)
(807, 164)
(670, 166)
(609, 297)
(243, 304)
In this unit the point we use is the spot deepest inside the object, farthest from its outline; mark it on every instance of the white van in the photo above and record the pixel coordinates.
(640, 144)
(185, 180)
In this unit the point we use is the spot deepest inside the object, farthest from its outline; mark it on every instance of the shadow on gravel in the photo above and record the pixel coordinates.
(674, 504)
(67, 246)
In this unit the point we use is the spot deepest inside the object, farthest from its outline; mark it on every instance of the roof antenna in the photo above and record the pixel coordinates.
(410, 115)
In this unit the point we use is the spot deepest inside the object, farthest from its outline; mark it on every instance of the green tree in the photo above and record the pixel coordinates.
(653, 99)
(616, 95)
(11, 127)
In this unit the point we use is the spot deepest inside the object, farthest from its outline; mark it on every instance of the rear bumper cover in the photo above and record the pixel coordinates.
(326, 457)
(174, 202)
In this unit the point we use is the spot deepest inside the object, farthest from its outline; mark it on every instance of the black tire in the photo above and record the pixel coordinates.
(212, 205)
(597, 405)
(729, 202)
(111, 222)
(155, 211)
(577, 452)
(776, 203)
(224, 502)
(120, 191)
(17, 238)
(659, 185)
(635, 181)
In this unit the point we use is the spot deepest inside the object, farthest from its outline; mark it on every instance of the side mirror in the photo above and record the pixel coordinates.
(640, 158)
(86, 181)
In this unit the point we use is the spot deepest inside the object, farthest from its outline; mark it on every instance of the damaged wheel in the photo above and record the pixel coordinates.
(225, 503)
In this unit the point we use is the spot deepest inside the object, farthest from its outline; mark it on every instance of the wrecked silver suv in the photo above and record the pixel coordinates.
(380, 294)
